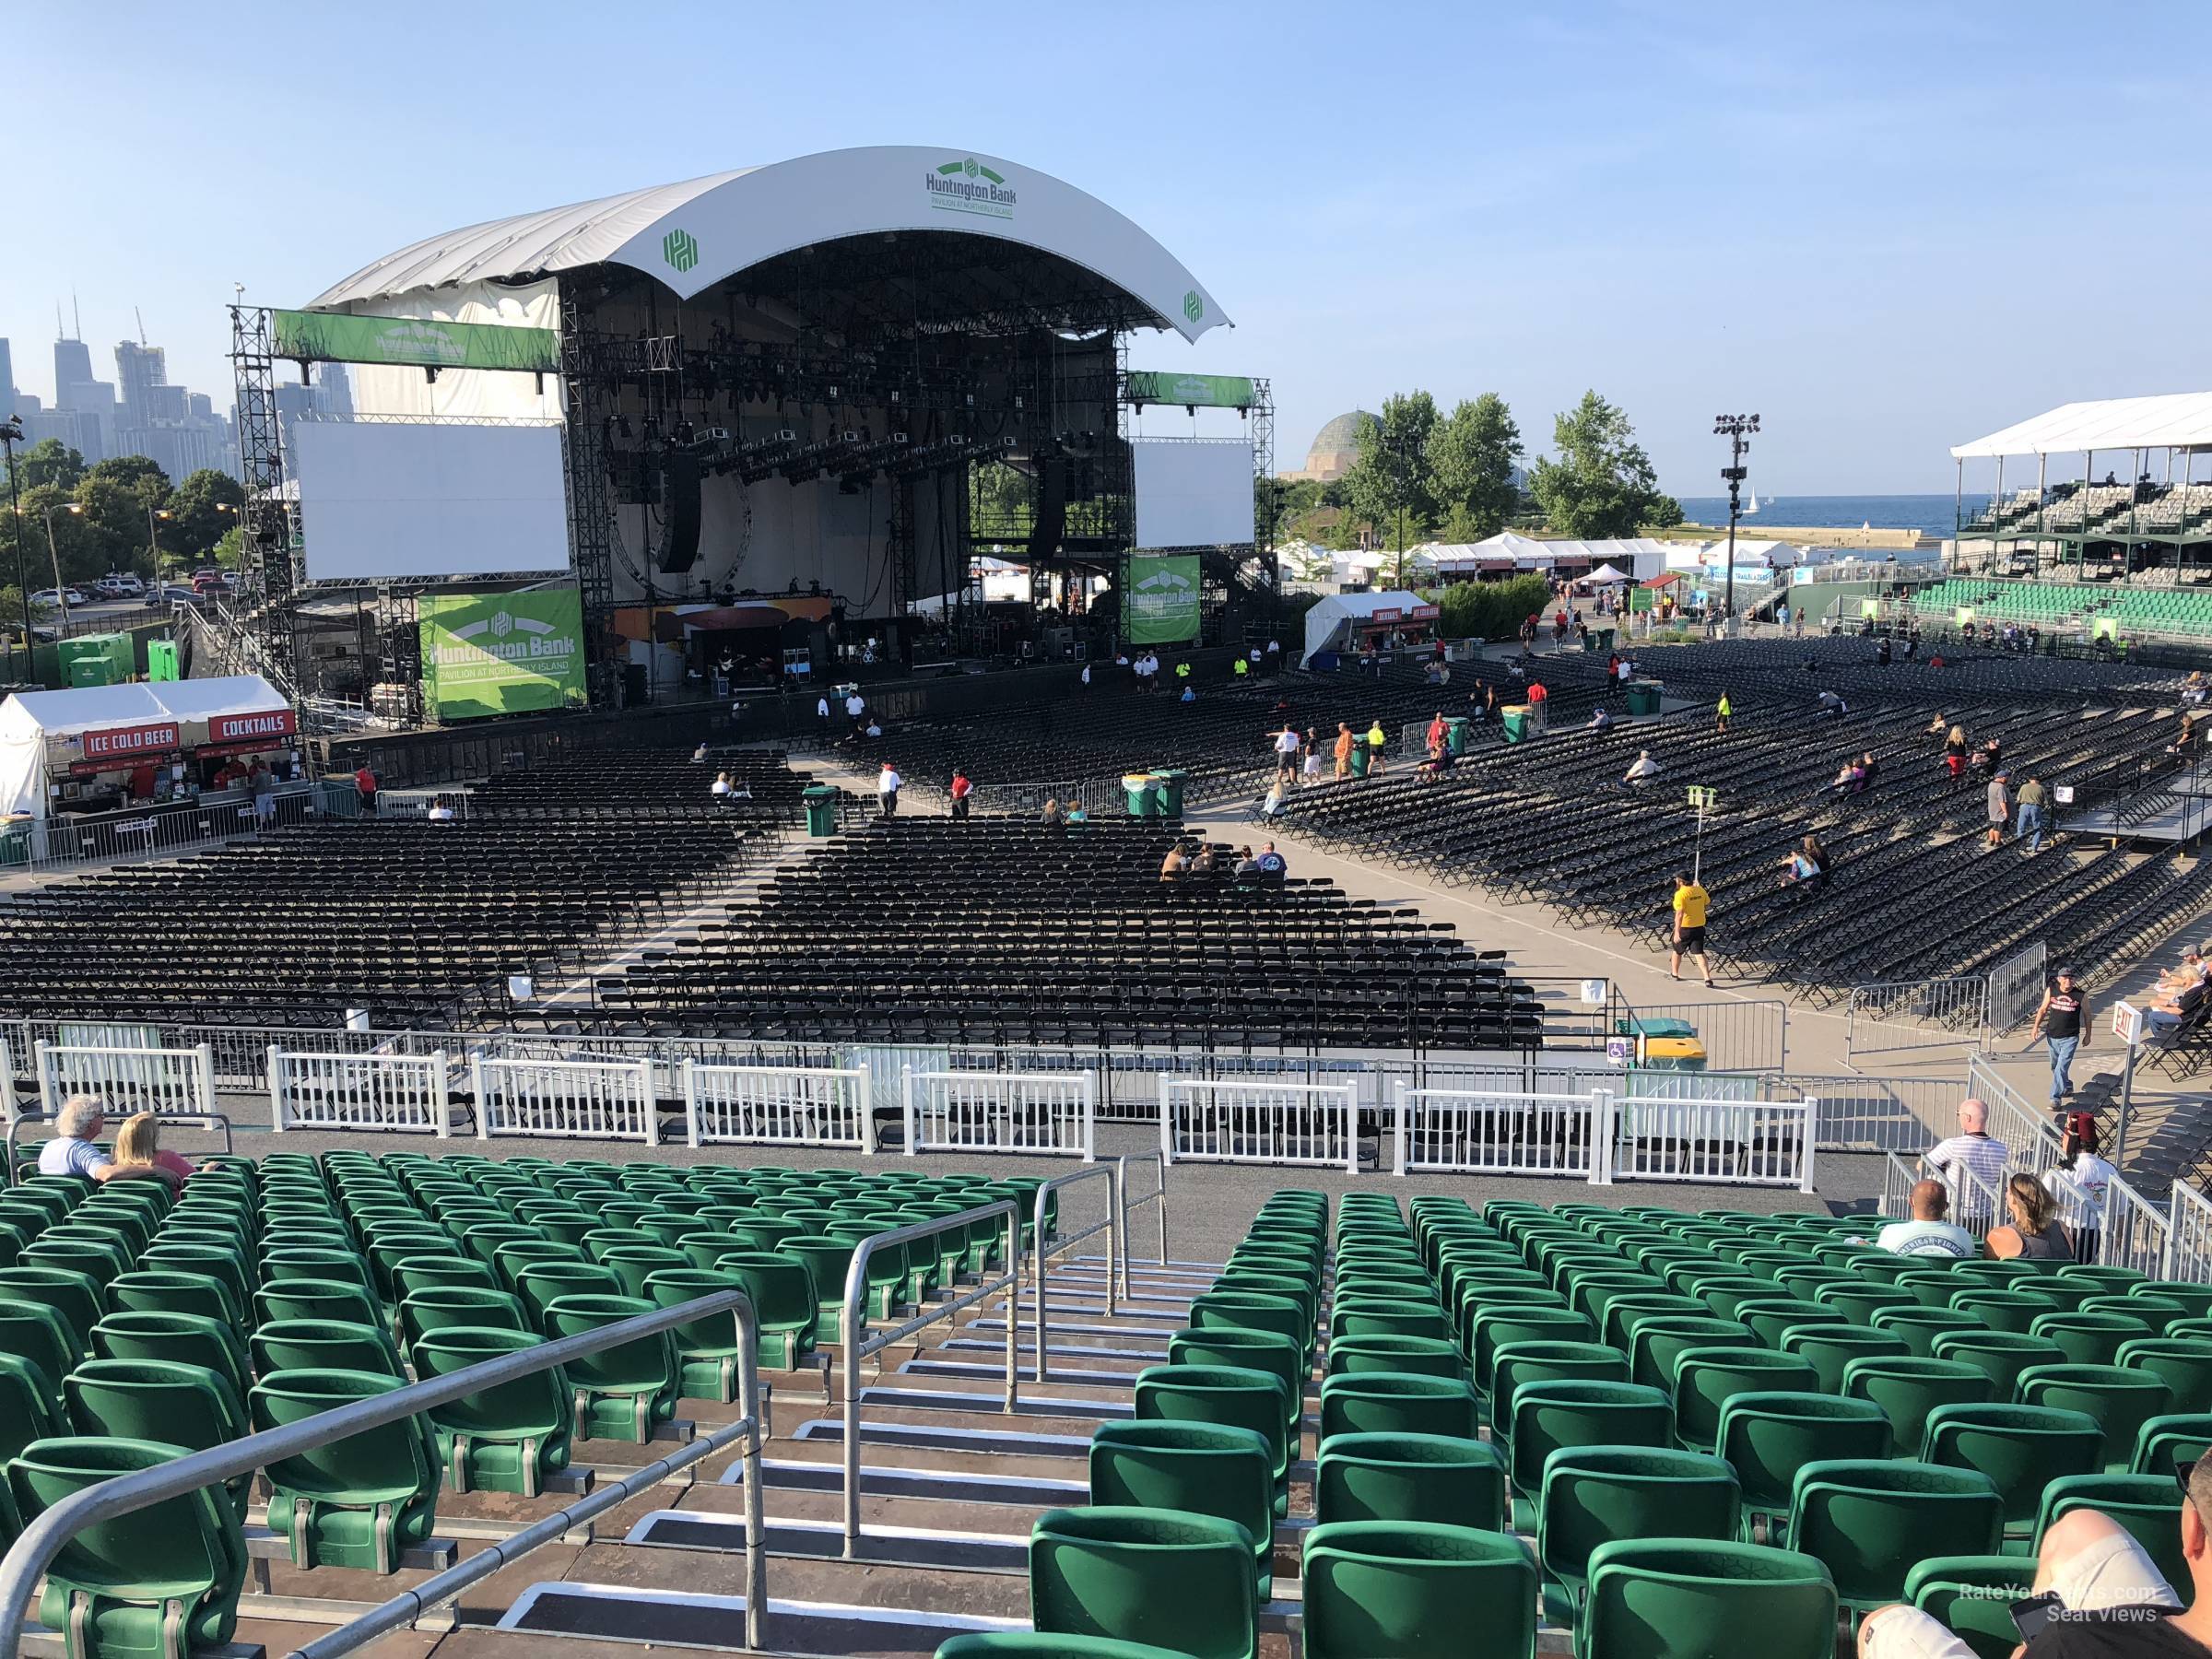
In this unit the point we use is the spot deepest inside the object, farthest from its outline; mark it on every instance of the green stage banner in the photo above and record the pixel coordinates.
(1197, 390)
(502, 653)
(334, 338)
(1163, 598)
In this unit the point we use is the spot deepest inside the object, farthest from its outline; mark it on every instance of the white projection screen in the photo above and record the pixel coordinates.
(1193, 492)
(380, 500)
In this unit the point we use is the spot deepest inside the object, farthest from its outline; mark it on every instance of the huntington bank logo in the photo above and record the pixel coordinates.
(679, 250)
(1167, 585)
(482, 650)
(968, 187)
(1193, 306)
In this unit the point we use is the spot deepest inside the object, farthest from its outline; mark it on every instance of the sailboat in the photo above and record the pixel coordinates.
(1753, 506)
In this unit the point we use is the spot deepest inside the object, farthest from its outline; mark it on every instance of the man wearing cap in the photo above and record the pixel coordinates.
(2079, 1183)
(2000, 807)
(2031, 798)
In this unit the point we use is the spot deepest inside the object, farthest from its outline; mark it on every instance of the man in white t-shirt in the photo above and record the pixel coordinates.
(2080, 1183)
(1286, 752)
(1928, 1233)
(887, 784)
(1977, 1153)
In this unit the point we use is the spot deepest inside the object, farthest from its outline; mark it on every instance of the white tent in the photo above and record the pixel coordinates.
(41, 729)
(1641, 557)
(1607, 573)
(1331, 624)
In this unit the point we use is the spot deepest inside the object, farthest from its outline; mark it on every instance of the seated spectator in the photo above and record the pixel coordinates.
(2191, 971)
(1833, 706)
(139, 1145)
(1849, 779)
(1271, 862)
(1053, 813)
(1207, 862)
(1247, 865)
(1642, 767)
(72, 1152)
(1076, 815)
(721, 785)
(2174, 1009)
(2032, 1233)
(1175, 864)
(1930, 1232)
(1974, 1151)
(1867, 766)
(1797, 870)
(2111, 1600)
(1601, 718)
(1272, 805)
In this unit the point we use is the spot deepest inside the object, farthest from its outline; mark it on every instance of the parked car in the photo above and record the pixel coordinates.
(56, 596)
(216, 583)
(172, 591)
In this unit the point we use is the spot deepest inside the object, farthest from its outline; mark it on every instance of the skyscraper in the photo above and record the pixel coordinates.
(7, 382)
(137, 369)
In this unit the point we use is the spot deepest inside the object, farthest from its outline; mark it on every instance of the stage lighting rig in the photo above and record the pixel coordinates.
(1737, 430)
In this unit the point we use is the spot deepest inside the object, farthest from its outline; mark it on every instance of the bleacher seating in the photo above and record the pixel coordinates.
(929, 929)
(1518, 1419)
(2177, 613)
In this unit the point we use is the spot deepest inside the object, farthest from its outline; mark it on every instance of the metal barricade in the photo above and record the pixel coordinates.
(2134, 1232)
(2016, 988)
(1046, 1249)
(1466, 1132)
(777, 1106)
(382, 1093)
(855, 1344)
(2188, 1236)
(1158, 1194)
(1000, 1112)
(567, 1100)
(173, 1083)
(42, 1540)
(1897, 1016)
(1719, 1142)
(1303, 1124)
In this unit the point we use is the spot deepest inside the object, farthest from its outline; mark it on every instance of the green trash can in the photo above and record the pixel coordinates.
(1141, 791)
(1360, 755)
(1456, 734)
(1602, 638)
(1517, 722)
(821, 809)
(1644, 697)
(15, 840)
(1169, 781)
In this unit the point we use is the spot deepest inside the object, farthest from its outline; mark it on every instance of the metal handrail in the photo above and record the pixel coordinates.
(1067, 1240)
(39, 1542)
(1123, 1206)
(207, 1123)
(856, 1344)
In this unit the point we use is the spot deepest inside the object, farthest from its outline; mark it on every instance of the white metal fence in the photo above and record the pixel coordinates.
(2136, 1233)
(777, 1106)
(384, 1093)
(172, 1082)
(1464, 1132)
(1000, 1112)
(2189, 1236)
(567, 1100)
(1269, 1123)
(1901, 1016)
(1724, 1143)
(2016, 988)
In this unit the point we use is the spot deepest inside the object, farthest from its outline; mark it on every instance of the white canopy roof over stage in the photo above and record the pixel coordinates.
(2179, 420)
(696, 234)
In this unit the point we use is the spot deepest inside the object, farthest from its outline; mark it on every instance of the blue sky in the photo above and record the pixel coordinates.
(1886, 228)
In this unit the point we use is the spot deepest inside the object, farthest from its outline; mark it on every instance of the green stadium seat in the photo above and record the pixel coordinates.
(1706, 1377)
(1870, 1520)
(363, 1501)
(1768, 1437)
(1832, 1348)
(337, 1300)
(1556, 1414)
(2166, 1440)
(707, 1350)
(187, 1406)
(1411, 1478)
(1156, 1576)
(2183, 1364)
(506, 1438)
(284, 1345)
(2121, 1400)
(2021, 1447)
(435, 1307)
(1436, 1356)
(1397, 1402)
(2001, 1355)
(1971, 1596)
(785, 1300)
(1035, 1644)
(28, 1409)
(623, 1392)
(41, 1338)
(1907, 1388)
(185, 1337)
(1204, 1468)
(1670, 1599)
(76, 1297)
(1413, 1589)
(161, 1581)
(1239, 1396)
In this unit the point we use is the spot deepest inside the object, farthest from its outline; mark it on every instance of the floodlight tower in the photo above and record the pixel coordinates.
(1737, 430)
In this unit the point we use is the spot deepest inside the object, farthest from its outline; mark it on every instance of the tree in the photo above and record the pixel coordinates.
(49, 460)
(79, 556)
(231, 548)
(1390, 474)
(1471, 456)
(1602, 484)
(204, 506)
(1489, 611)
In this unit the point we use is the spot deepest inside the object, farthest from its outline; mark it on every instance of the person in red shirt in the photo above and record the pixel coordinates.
(364, 784)
(962, 789)
(1436, 732)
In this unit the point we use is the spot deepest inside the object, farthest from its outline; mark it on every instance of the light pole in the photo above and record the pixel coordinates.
(11, 434)
(1402, 448)
(1737, 429)
(153, 536)
(61, 589)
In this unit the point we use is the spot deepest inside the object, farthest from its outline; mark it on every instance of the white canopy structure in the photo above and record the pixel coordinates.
(43, 733)
(696, 234)
(1641, 555)
(1605, 574)
(2179, 420)
(1333, 622)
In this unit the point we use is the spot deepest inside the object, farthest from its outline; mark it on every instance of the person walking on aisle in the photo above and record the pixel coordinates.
(887, 784)
(2062, 1023)
(1722, 711)
(962, 787)
(1690, 902)
(1343, 751)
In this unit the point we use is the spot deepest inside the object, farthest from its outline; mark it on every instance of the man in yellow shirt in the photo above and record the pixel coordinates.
(1691, 900)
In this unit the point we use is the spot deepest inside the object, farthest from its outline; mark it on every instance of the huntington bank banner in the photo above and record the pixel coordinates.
(502, 653)
(1163, 607)
(337, 337)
